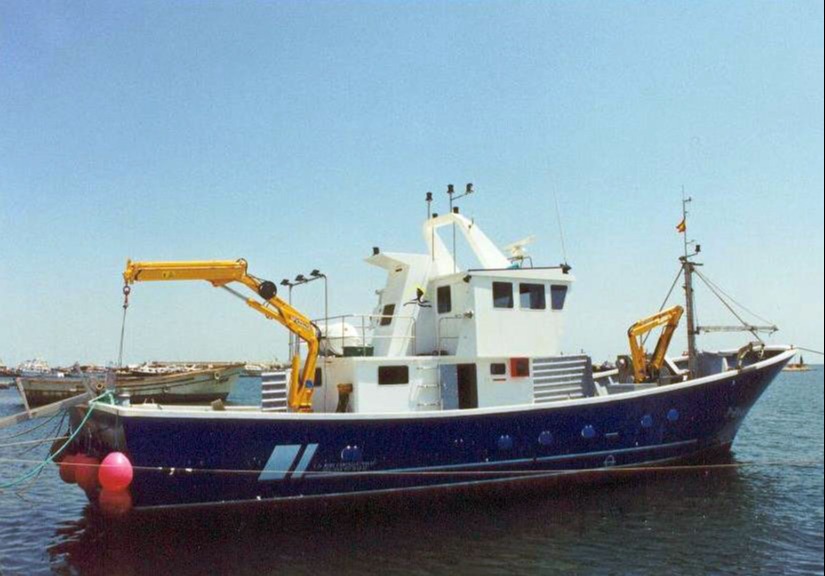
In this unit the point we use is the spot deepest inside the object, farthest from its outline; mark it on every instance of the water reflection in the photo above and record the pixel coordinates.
(628, 525)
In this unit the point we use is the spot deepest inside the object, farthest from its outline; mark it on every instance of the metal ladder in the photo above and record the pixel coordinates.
(422, 387)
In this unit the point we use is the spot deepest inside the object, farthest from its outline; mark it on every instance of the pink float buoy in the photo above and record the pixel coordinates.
(115, 472)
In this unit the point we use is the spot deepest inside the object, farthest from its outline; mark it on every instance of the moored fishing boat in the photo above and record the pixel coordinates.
(457, 380)
(192, 386)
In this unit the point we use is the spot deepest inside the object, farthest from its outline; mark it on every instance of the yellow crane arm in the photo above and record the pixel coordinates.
(222, 272)
(642, 369)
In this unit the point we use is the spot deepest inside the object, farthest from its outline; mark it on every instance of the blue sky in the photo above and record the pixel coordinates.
(299, 135)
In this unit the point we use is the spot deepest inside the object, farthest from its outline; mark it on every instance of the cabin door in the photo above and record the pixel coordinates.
(458, 386)
(467, 388)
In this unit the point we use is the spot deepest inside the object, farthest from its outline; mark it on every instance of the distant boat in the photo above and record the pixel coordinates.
(7, 371)
(187, 387)
(7, 375)
(797, 366)
(35, 367)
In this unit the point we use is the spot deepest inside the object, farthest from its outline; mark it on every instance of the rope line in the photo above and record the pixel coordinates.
(172, 470)
(809, 350)
(28, 442)
(34, 472)
(32, 429)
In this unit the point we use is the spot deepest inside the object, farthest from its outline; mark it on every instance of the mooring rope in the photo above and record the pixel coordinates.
(810, 350)
(28, 442)
(173, 470)
(34, 472)
(32, 429)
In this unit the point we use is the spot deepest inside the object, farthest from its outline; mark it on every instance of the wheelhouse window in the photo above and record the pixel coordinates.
(388, 375)
(558, 293)
(502, 295)
(319, 378)
(386, 315)
(532, 296)
(444, 298)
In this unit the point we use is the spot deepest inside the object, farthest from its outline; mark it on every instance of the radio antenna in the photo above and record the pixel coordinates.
(561, 229)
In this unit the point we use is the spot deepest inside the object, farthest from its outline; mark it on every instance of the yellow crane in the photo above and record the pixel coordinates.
(644, 369)
(222, 272)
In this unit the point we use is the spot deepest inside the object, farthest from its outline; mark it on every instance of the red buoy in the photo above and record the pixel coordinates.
(86, 472)
(67, 469)
(114, 502)
(115, 472)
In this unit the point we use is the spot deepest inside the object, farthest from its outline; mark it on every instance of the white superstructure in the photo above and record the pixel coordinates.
(445, 337)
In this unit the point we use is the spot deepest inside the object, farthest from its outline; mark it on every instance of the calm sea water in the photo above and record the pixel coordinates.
(761, 518)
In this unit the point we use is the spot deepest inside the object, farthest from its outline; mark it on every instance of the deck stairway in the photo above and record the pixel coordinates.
(561, 378)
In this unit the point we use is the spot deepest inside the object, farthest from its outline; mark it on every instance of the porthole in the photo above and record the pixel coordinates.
(505, 442)
(351, 454)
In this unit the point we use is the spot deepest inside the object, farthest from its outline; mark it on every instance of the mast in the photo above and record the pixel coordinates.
(687, 267)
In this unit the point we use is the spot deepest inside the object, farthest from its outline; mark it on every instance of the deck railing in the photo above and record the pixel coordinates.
(365, 326)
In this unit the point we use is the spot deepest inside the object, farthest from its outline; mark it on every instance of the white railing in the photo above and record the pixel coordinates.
(365, 326)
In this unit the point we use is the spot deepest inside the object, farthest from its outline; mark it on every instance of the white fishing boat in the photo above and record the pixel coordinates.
(458, 381)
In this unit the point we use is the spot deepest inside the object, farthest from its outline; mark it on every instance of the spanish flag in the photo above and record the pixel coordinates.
(681, 227)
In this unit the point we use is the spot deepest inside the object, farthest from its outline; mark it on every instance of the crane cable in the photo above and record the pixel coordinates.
(126, 291)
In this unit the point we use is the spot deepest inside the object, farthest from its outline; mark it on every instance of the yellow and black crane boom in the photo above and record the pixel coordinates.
(222, 272)
(644, 369)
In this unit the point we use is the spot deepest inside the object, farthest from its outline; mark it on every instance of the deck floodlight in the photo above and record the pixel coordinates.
(300, 278)
(316, 273)
(285, 282)
(450, 189)
(469, 188)
(429, 197)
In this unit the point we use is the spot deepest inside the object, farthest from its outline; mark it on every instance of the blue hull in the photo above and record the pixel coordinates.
(189, 460)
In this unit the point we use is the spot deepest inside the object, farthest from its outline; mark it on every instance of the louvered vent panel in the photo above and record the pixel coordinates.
(274, 391)
(561, 378)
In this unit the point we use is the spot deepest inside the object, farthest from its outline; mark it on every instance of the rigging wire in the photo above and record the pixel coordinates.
(664, 302)
(729, 297)
(729, 307)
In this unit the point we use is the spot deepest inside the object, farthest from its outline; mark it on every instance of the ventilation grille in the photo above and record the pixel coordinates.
(561, 378)
(274, 391)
